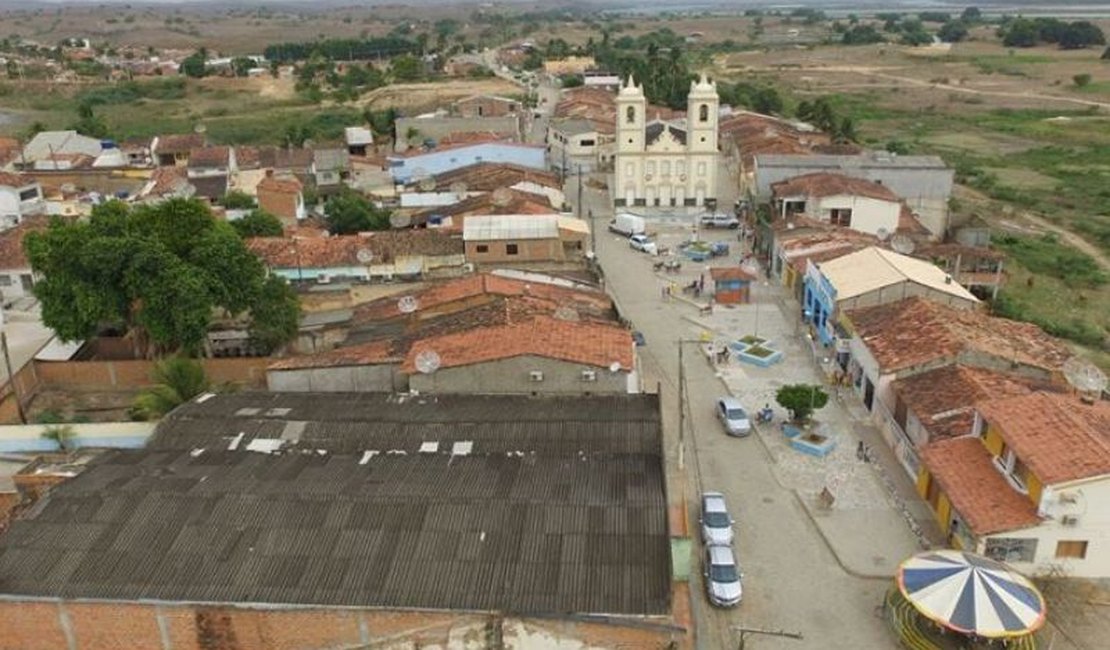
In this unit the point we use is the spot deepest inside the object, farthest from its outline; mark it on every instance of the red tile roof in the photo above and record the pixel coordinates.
(280, 185)
(519, 202)
(944, 400)
(323, 252)
(179, 143)
(591, 344)
(983, 497)
(823, 184)
(439, 297)
(489, 176)
(730, 273)
(1059, 437)
(167, 180)
(209, 157)
(9, 179)
(755, 134)
(375, 352)
(916, 331)
(12, 254)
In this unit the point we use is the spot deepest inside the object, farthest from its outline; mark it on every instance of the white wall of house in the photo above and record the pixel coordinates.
(10, 211)
(16, 283)
(1088, 502)
(868, 215)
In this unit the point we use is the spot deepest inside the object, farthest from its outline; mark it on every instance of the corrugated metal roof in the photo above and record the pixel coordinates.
(511, 226)
(872, 268)
(572, 521)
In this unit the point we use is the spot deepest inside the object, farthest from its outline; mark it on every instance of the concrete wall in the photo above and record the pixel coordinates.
(901, 291)
(868, 215)
(486, 106)
(513, 376)
(350, 379)
(101, 375)
(14, 287)
(67, 625)
(528, 250)
(116, 435)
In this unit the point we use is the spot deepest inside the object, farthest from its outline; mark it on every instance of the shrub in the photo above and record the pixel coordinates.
(1081, 80)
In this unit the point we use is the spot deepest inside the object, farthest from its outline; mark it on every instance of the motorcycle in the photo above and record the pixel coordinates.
(765, 415)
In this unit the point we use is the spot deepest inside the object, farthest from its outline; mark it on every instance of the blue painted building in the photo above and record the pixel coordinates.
(819, 303)
(437, 161)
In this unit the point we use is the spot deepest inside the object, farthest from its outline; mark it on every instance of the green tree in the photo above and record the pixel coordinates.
(176, 381)
(407, 68)
(573, 81)
(237, 200)
(63, 434)
(801, 400)
(258, 223)
(1106, 55)
(1081, 34)
(862, 35)
(971, 15)
(88, 122)
(194, 64)
(953, 31)
(1081, 80)
(1021, 33)
(241, 66)
(159, 272)
(350, 212)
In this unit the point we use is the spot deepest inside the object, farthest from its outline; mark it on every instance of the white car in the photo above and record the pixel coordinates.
(716, 523)
(731, 413)
(722, 576)
(643, 244)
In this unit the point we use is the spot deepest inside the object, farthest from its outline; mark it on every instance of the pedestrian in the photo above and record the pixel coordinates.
(859, 451)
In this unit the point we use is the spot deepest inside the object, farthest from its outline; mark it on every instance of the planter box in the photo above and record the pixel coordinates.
(813, 444)
(791, 431)
(764, 357)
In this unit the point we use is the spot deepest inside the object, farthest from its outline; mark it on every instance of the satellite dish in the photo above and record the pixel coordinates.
(459, 189)
(615, 366)
(902, 244)
(502, 196)
(365, 255)
(399, 220)
(1084, 376)
(408, 304)
(427, 362)
(883, 234)
(427, 184)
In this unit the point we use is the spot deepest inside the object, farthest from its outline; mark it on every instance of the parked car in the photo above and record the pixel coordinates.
(628, 224)
(719, 220)
(638, 338)
(644, 244)
(716, 523)
(722, 576)
(732, 414)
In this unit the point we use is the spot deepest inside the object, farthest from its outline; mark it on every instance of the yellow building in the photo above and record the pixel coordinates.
(1030, 487)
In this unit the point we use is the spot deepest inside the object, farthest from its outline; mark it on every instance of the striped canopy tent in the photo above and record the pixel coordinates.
(971, 594)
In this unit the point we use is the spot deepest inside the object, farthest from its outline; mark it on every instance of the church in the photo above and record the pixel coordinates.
(666, 163)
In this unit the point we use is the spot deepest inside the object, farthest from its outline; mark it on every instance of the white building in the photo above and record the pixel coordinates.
(666, 163)
(843, 201)
(20, 196)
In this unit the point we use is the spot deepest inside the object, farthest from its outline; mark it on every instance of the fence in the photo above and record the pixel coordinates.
(115, 375)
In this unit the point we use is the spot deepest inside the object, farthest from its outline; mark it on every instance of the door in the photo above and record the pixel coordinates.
(699, 196)
(868, 393)
(665, 195)
(649, 195)
(28, 281)
(680, 195)
(629, 196)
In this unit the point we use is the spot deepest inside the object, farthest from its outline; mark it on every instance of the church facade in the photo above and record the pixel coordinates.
(662, 163)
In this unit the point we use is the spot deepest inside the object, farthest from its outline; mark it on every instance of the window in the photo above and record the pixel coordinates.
(701, 169)
(1011, 549)
(650, 167)
(665, 167)
(630, 115)
(680, 167)
(703, 113)
(5, 281)
(481, 248)
(1071, 549)
(629, 169)
(840, 217)
(29, 195)
(511, 249)
(1008, 463)
(589, 142)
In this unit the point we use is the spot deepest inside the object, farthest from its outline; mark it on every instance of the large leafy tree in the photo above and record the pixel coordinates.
(801, 400)
(258, 223)
(350, 212)
(161, 272)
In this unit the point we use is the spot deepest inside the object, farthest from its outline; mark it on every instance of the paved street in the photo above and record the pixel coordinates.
(792, 580)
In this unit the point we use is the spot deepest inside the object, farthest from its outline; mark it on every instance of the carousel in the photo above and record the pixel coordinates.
(952, 600)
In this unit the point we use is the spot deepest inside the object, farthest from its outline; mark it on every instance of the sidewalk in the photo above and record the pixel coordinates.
(876, 519)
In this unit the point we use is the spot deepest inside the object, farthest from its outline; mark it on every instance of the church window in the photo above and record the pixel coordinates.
(701, 169)
(629, 169)
(630, 115)
(665, 167)
(651, 167)
(703, 113)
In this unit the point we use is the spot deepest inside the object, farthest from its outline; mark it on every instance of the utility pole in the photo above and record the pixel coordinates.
(744, 631)
(580, 191)
(8, 367)
(681, 406)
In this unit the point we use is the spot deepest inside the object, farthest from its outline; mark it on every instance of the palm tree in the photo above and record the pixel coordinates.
(61, 434)
(177, 380)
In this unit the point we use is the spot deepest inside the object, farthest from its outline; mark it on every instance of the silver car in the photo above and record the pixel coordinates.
(716, 523)
(722, 576)
(733, 416)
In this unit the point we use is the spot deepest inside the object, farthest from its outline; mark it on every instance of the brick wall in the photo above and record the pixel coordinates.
(112, 626)
(136, 373)
(25, 384)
